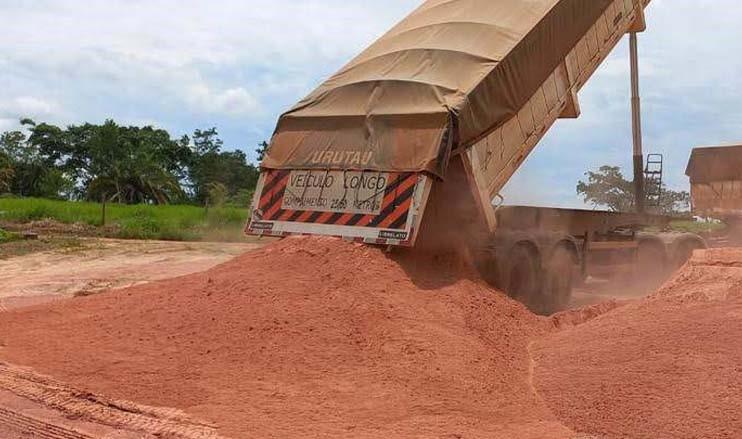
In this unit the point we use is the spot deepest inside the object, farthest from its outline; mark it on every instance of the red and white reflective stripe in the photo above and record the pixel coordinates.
(394, 215)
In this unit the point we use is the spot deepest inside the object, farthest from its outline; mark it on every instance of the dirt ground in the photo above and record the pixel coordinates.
(58, 268)
(37, 406)
(666, 366)
(303, 338)
(61, 268)
(353, 343)
(92, 265)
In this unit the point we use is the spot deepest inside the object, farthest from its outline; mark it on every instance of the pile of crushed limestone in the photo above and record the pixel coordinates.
(316, 337)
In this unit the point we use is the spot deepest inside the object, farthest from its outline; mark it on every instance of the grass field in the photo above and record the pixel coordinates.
(6, 236)
(170, 222)
(697, 227)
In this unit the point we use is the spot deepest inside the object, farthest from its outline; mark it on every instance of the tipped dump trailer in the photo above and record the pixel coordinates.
(432, 120)
(482, 80)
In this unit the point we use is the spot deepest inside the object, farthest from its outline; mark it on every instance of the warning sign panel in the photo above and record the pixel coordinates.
(336, 191)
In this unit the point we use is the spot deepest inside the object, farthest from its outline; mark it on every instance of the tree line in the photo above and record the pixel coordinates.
(608, 188)
(129, 164)
(124, 164)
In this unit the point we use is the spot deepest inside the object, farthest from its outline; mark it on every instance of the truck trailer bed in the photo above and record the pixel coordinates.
(482, 80)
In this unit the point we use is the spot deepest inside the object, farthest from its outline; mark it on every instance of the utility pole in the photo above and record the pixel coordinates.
(636, 122)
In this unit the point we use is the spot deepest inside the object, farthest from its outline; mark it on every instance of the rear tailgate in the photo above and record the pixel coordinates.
(372, 207)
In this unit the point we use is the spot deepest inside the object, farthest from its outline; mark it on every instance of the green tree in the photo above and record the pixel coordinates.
(6, 173)
(608, 188)
(24, 171)
(217, 194)
(116, 163)
(262, 150)
(55, 184)
(243, 197)
(209, 165)
(121, 164)
(207, 142)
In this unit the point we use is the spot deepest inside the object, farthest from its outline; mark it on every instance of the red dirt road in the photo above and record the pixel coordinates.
(103, 264)
(305, 338)
(36, 406)
(669, 366)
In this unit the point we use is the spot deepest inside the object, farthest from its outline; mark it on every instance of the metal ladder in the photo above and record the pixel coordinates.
(653, 180)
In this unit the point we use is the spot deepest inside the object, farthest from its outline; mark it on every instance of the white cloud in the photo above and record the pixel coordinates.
(26, 106)
(8, 124)
(237, 64)
(189, 59)
(233, 102)
(176, 32)
(33, 106)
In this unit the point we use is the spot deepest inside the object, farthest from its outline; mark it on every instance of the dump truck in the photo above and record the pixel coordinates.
(410, 143)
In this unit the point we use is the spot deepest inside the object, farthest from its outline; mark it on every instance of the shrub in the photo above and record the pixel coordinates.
(6, 236)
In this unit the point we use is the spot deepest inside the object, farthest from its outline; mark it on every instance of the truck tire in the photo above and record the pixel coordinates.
(521, 277)
(684, 251)
(559, 281)
(489, 269)
(651, 264)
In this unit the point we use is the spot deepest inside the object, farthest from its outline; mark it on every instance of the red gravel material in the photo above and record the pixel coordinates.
(308, 337)
(669, 366)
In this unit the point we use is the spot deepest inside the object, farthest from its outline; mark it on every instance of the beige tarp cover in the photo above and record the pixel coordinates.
(444, 77)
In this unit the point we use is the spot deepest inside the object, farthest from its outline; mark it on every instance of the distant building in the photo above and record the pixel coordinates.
(716, 181)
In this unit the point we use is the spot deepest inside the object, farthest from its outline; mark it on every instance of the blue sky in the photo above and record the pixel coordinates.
(237, 64)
